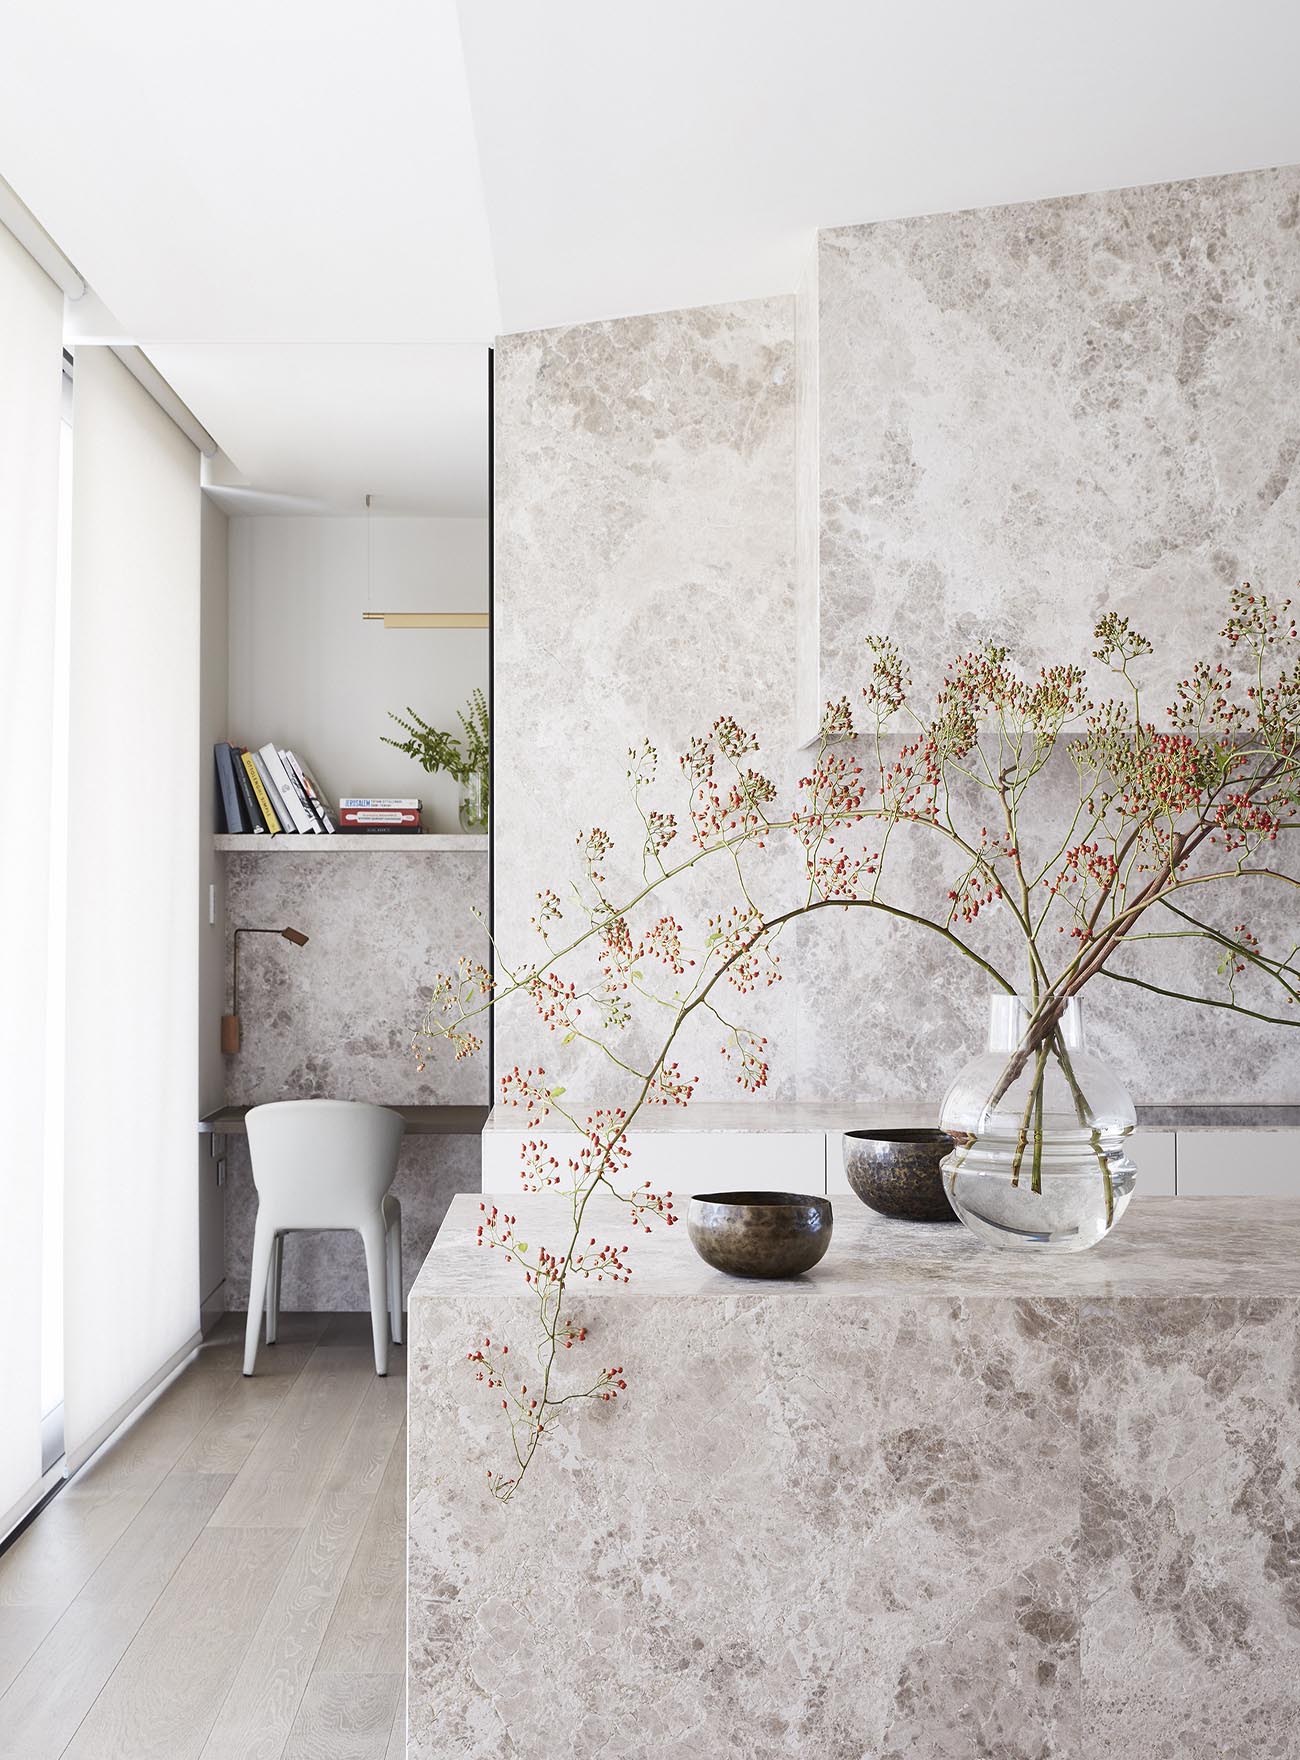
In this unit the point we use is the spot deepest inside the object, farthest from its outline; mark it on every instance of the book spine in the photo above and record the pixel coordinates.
(406, 803)
(314, 791)
(252, 812)
(362, 817)
(231, 805)
(298, 816)
(300, 794)
(383, 830)
(277, 800)
(249, 761)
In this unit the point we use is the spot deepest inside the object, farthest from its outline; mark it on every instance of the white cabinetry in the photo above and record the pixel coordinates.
(795, 1157)
(1239, 1164)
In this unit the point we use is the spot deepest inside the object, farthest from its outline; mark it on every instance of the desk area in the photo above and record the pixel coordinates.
(334, 1018)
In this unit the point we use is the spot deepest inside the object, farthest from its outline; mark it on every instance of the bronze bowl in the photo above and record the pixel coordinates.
(896, 1172)
(759, 1234)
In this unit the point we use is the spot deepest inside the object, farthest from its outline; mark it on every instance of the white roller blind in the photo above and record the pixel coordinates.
(31, 376)
(131, 1215)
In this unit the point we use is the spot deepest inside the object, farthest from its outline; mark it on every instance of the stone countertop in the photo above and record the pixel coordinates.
(1160, 1247)
(813, 1115)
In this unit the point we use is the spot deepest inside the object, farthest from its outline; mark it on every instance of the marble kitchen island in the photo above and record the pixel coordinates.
(927, 1502)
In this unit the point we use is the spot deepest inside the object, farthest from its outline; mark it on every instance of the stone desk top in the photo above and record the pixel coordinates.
(1161, 1246)
(420, 1121)
(815, 1115)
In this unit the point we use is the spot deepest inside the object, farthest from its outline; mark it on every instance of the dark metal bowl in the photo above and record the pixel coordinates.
(759, 1234)
(897, 1172)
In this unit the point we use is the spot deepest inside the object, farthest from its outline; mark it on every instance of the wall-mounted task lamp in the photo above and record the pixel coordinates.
(230, 1022)
(413, 619)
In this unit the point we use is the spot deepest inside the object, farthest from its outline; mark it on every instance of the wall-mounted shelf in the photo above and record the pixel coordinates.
(433, 843)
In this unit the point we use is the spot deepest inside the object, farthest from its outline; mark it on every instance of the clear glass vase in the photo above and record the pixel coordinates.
(473, 806)
(1039, 1127)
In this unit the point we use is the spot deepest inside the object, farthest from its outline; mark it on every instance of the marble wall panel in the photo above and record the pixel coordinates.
(1029, 415)
(335, 1018)
(644, 583)
(1014, 419)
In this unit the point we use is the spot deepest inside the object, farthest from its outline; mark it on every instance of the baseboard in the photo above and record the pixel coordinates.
(130, 1408)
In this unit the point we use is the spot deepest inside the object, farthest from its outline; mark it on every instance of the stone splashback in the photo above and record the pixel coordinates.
(335, 1018)
(1017, 417)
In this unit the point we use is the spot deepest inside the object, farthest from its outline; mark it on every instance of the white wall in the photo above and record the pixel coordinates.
(307, 672)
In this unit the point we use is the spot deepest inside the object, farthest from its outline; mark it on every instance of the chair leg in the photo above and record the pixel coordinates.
(374, 1237)
(273, 1290)
(263, 1250)
(395, 1270)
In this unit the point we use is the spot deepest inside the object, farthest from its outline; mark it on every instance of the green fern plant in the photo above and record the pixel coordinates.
(463, 755)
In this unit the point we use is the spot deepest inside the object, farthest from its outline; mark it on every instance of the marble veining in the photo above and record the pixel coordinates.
(927, 1501)
(993, 423)
(1028, 415)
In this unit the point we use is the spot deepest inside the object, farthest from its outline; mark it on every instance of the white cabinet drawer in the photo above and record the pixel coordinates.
(682, 1162)
(1239, 1164)
(1153, 1154)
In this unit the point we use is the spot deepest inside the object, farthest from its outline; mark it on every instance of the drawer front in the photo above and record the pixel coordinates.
(1239, 1164)
(1153, 1154)
(683, 1162)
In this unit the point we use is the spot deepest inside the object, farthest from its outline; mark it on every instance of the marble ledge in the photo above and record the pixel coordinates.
(1161, 1247)
(429, 843)
(813, 1115)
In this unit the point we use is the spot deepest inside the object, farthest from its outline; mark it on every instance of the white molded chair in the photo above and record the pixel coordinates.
(326, 1164)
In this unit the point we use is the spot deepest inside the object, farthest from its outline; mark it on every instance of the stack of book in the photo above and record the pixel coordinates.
(379, 813)
(269, 791)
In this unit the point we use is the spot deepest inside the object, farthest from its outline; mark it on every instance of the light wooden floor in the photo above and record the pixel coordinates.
(225, 1582)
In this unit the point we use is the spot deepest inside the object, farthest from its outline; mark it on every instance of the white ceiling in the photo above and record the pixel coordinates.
(323, 425)
(640, 158)
(416, 175)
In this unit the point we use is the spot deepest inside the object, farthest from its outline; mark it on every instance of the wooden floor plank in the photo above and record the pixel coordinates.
(222, 1351)
(140, 1457)
(228, 1577)
(345, 1717)
(49, 1562)
(290, 1463)
(367, 1631)
(225, 1442)
(22, 1631)
(397, 1735)
(163, 1697)
(259, 1711)
(40, 1711)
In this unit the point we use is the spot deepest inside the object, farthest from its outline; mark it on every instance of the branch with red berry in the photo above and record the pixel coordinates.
(1159, 815)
